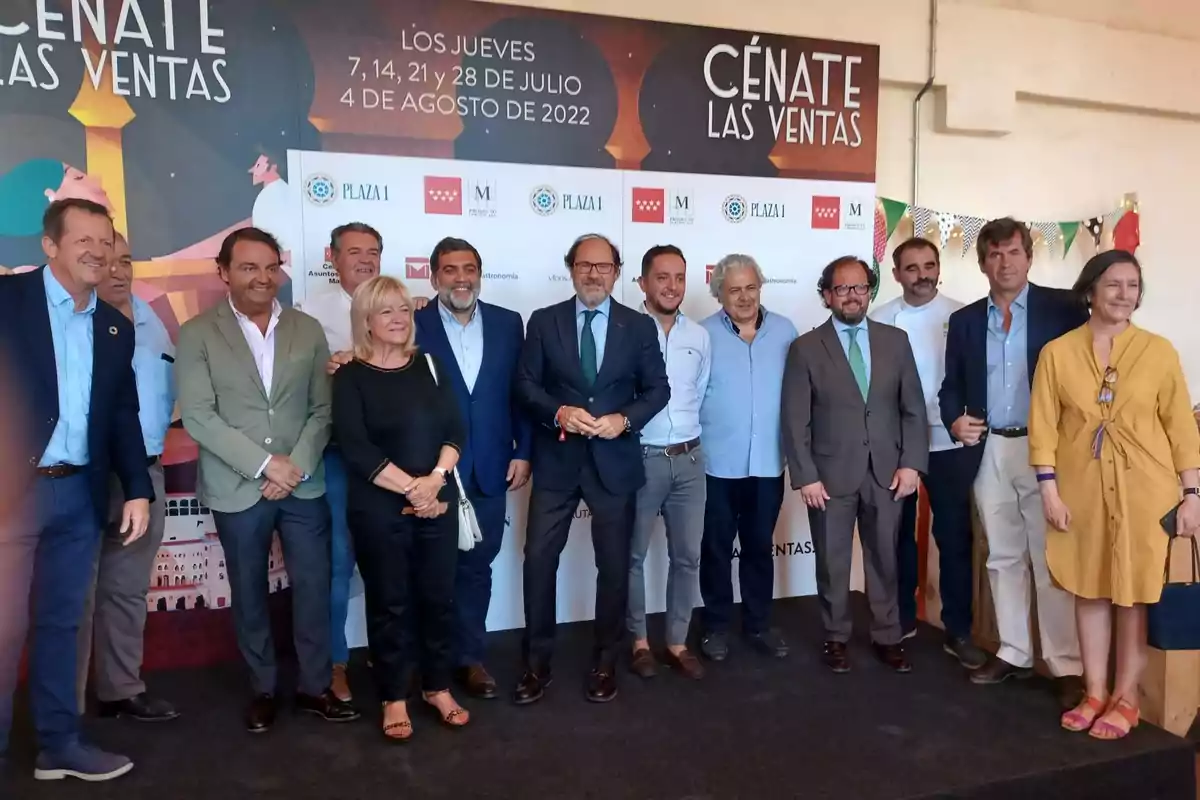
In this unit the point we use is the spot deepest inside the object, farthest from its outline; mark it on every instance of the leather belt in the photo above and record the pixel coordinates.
(1011, 433)
(672, 450)
(151, 461)
(59, 470)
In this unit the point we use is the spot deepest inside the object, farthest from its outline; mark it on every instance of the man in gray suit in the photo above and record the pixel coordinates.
(856, 439)
(254, 395)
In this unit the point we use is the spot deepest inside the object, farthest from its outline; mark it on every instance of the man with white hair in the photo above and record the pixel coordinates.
(744, 460)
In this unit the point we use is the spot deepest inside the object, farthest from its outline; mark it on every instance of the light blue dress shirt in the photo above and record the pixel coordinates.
(688, 355)
(466, 341)
(154, 370)
(741, 409)
(599, 326)
(72, 334)
(1008, 365)
(862, 337)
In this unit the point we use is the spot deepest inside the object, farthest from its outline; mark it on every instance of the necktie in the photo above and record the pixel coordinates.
(858, 364)
(587, 348)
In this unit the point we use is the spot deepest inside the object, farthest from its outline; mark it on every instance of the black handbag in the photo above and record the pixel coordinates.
(1173, 623)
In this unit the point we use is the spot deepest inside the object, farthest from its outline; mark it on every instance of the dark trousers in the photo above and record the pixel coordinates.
(746, 508)
(407, 565)
(550, 514)
(47, 553)
(303, 527)
(948, 486)
(473, 580)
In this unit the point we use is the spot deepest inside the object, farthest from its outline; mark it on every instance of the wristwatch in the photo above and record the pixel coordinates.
(440, 471)
(628, 424)
(1191, 490)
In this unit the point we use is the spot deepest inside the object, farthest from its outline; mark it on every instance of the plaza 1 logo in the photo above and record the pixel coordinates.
(545, 200)
(826, 213)
(320, 189)
(736, 208)
(481, 199)
(443, 195)
(416, 268)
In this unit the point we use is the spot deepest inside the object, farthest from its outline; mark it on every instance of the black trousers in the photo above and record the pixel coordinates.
(948, 485)
(550, 515)
(408, 565)
(746, 508)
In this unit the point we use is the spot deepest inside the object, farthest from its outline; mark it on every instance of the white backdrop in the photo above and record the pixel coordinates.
(522, 218)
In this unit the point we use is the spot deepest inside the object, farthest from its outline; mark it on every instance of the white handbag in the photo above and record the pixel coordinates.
(468, 524)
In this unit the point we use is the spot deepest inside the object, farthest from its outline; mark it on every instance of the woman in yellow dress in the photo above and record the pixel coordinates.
(1112, 439)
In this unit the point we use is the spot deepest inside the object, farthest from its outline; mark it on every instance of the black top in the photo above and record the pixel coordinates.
(398, 416)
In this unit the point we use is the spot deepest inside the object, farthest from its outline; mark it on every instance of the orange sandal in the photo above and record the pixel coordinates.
(1077, 719)
(1109, 731)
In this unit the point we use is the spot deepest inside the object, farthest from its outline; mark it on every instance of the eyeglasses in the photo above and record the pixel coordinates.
(857, 288)
(602, 267)
(1107, 387)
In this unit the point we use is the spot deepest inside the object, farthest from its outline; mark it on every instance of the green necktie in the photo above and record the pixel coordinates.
(587, 348)
(858, 364)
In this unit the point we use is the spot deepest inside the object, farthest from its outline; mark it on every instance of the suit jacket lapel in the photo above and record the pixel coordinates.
(42, 346)
(979, 345)
(440, 345)
(227, 324)
(285, 335)
(841, 364)
(1034, 339)
(879, 358)
(614, 340)
(570, 340)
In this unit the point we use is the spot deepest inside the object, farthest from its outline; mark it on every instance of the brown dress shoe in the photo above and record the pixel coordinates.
(1070, 691)
(477, 682)
(835, 657)
(601, 685)
(643, 664)
(685, 663)
(893, 656)
(339, 684)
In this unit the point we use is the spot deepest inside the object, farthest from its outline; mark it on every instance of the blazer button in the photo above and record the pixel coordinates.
(33, 461)
(867, 442)
(267, 440)
(591, 399)
(270, 412)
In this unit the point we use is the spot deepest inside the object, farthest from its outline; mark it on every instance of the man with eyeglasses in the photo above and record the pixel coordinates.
(591, 376)
(857, 438)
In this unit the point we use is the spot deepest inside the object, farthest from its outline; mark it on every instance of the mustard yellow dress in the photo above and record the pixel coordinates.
(1117, 463)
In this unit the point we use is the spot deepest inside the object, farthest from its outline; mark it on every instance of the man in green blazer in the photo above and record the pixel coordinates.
(254, 395)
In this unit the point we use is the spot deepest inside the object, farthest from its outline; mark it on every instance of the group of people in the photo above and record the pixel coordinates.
(356, 425)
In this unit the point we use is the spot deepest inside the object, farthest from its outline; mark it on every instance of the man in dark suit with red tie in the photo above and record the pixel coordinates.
(591, 375)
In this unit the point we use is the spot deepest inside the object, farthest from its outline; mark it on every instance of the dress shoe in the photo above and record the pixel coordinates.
(835, 657)
(326, 706)
(339, 684)
(685, 663)
(142, 708)
(893, 656)
(477, 682)
(769, 643)
(531, 686)
(601, 685)
(1070, 691)
(715, 646)
(643, 664)
(997, 670)
(260, 714)
(968, 655)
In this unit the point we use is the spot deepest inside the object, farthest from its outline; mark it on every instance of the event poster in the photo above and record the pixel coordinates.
(518, 129)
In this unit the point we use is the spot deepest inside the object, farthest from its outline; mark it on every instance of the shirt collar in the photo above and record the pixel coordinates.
(142, 312)
(447, 314)
(842, 327)
(758, 322)
(59, 296)
(680, 317)
(276, 310)
(1020, 301)
(602, 308)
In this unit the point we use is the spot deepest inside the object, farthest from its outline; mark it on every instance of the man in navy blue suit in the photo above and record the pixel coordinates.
(591, 375)
(483, 343)
(992, 348)
(72, 357)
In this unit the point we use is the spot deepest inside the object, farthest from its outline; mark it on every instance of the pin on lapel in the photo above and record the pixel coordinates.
(112, 330)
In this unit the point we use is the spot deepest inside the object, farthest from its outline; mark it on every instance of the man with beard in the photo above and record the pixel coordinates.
(591, 375)
(674, 465)
(857, 439)
(495, 460)
(356, 249)
(923, 313)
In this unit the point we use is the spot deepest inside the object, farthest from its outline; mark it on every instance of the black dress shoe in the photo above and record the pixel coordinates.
(477, 682)
(835, 657)
(327, 706)
(968, 655)
(715, 646)
(893, 656)
(531, 686)
(142, 708)
(997, 670)
(769, 643)
(601, 685)
(1069, 690)
(260, 714)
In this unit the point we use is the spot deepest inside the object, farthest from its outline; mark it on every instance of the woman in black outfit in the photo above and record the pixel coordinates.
(400, 433)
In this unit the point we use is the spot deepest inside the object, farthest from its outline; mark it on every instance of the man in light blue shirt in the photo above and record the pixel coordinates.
(114, 620)
(674, 463)
(740, 418)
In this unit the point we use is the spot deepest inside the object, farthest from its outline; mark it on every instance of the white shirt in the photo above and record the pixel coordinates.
(466, 341)
(262, 348)
(926, 327)
(331, 308)
(687, 351)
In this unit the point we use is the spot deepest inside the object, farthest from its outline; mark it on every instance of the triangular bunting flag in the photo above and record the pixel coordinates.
(1068, 231)
(893, 211)
(1094, 226)
(1049, 232)
(971, 227)
(946, 222)
(1127, 234)
(921, 218)
(881, 236)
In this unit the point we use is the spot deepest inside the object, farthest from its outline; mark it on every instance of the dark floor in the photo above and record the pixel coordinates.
(755, 728)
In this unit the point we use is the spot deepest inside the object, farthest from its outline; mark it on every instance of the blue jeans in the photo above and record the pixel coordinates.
(46, 559)
(341, 556)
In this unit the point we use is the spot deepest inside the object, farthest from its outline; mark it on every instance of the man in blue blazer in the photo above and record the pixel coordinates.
(72, 358)
(992, 348)
(591, 375)
(481, 344)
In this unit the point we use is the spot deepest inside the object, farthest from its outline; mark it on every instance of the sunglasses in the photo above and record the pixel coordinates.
(1107, 387)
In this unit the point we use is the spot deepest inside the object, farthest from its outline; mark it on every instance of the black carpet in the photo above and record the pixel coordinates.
(754, 728)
